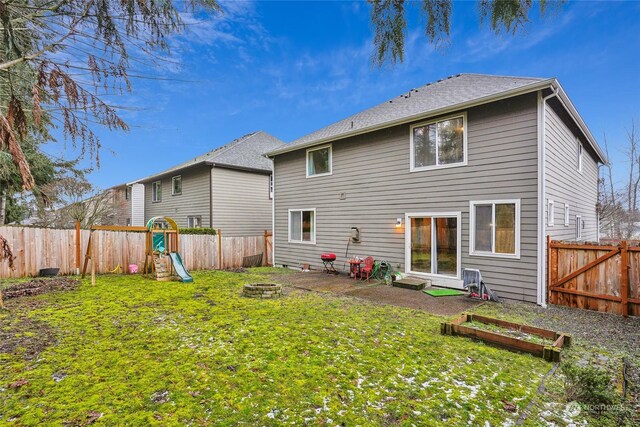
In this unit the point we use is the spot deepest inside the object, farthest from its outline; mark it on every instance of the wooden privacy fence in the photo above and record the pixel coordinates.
(601, 277)
(36, 248)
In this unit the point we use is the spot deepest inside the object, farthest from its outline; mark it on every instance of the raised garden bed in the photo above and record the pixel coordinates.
(512, 336)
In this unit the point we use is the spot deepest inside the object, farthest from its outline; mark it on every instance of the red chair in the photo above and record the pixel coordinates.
(367, 268)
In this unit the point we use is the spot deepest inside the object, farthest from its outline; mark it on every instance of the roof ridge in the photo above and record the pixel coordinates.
(229, 145)
(495, 75)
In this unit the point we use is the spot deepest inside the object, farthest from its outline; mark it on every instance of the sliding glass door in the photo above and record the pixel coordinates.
(433, 244)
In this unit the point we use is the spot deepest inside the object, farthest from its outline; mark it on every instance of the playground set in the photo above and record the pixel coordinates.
(162, 259)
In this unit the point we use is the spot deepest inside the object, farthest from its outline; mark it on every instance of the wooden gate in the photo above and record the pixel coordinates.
(595, 277)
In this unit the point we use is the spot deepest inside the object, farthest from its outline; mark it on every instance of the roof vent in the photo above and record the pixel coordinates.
(351, 124)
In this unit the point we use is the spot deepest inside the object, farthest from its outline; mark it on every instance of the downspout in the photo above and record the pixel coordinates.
(273, 214)
(211, 197)
(542, 192)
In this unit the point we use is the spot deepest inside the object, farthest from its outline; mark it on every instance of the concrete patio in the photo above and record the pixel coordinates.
(378, 292)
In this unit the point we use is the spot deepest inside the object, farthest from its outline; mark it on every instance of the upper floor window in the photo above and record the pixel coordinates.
(271, 186)
(127, 189)
(319, 161)
(580, 151)
(156, 191)
(439, 143)
(176, 185)
(566, 215)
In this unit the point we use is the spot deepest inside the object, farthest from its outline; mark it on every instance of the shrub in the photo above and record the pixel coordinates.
(211, 231)
(588, 384)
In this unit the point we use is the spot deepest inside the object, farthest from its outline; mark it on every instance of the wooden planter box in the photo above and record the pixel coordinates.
(550, 353)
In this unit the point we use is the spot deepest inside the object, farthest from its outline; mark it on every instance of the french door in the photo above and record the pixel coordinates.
(433, 244)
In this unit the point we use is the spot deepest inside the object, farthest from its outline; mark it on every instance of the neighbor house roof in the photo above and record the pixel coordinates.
(246, 152)
(453, 93)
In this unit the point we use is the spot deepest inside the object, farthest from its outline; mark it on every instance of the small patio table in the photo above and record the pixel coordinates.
(354, 268)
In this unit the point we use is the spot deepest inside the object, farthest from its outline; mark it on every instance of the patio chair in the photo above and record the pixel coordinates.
(473, 283)
(367, 268)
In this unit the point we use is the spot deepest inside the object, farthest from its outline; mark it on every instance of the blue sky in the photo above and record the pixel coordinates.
(290, 68)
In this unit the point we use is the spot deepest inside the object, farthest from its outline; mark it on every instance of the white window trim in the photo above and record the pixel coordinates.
(580, 154)
(311, 242)
(306, 159)
(578, 227)
(154, 193)
(413, 168)
(551, 212)
(566, 214)
(472, 228)
(173, 186)
(407, 244)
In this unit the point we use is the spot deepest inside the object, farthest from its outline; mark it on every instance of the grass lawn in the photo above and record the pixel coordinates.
(138, 352)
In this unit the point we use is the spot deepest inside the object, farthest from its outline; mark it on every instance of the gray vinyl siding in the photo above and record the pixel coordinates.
(194, 200)
(373, 172)
(241, 203)
(565, 184)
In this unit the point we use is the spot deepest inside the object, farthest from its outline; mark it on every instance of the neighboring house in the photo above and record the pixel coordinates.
(472, 171)
(120, 196)
(227, 188)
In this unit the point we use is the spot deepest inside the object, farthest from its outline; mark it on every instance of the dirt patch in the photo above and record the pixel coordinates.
(39, 286)
(442, 306)
(323, 282)
(236, 270)
(378, 292)
(25, 336)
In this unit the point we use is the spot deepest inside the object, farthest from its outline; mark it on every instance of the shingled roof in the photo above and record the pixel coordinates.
(455, 92)
(246, 152)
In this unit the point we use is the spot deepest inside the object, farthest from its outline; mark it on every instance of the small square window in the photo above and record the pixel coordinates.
(579, 227)
(176, 185)
(156, 191)
(270, 186)
(194, 221)
(550, 212)
(319, 161)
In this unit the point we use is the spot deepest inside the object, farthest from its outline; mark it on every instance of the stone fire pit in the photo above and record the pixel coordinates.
(262, 290)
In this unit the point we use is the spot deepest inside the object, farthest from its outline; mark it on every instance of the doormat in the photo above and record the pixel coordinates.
(443, 292)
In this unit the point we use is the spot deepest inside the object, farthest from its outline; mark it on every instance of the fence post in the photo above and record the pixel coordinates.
(265, 256)
(548, 275)
(624, 280)
(78, 249)
(219, 249)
